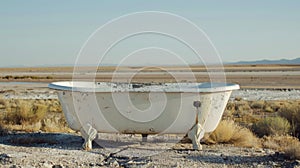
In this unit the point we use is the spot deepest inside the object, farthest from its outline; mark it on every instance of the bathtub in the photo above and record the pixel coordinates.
(143, 108)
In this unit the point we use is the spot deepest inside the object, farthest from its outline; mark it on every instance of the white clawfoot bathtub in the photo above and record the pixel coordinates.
(145, 108)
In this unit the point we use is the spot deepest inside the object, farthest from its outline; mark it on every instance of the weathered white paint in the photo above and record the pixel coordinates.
(166, 108)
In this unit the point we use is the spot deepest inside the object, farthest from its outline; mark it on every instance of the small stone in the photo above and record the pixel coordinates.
(14, 166)
(115, 164)
(46, 165)
(100, 164)
(224, 157)
(269, 151)
(101, 158)
(297, 162)
(57, 166)
(5, 158)
(272, 163)
(259, 150)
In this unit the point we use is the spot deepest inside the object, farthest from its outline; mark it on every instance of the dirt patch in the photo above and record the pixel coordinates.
(64, 150)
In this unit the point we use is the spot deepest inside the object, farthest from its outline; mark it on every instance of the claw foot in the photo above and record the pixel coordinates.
(89, 134)
(196, 134)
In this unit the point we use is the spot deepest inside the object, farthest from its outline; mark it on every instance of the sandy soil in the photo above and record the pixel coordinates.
(64, 150)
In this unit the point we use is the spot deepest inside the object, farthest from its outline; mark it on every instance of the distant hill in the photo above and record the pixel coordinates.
(265, 61)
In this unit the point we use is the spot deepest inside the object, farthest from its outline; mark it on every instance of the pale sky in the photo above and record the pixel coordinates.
(34, 32)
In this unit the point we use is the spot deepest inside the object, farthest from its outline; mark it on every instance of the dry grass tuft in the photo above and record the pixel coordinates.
(272, 126)
(3, 131)
(243, 137)
(32, 115)
(238, 98)
(223, 133)
(268, 109)
(231, 133)
(55, 123)
(2, 104)
(292, 113)
(258, 104)
(287, 144)
(27, 113)
(293, 150)
(242, 106)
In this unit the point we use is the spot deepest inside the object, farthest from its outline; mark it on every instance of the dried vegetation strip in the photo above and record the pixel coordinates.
(32, 115)
(268, 124)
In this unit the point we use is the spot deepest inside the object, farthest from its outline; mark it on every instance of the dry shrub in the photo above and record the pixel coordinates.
(271, 126)
(243, 112)
(238, 98)
(275, 105)
(277, 142)
(229, 110)
(293, 150)
(243, 137)
(268, 109)
(54, 106)
(229, 132)
(242, 106)
(287, 144)
(223, 133)
(55, 122)
(2, 129)
(258, 104)
(2, 104)
(25, 112)
(292, 113)
(32, 113)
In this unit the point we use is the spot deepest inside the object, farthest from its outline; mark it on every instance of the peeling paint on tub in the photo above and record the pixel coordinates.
(175, 117)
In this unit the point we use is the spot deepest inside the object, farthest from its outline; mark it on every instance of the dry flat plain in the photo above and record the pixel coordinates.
(37, 147)
(248, 76)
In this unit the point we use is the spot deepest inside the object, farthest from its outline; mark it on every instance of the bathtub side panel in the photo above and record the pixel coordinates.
(187, 113)
(178, 116)
(66, 102)
(125, 118)
(218, 105)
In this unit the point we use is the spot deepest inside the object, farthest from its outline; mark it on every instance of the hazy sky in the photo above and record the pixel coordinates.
(34, 32)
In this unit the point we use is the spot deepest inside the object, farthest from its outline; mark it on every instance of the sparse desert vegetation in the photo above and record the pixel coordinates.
(32, 115)
(277, 124)
(291, 112)
(272, 126)
(285, 143)
(267, 124)
(10, 77)
(229, 132)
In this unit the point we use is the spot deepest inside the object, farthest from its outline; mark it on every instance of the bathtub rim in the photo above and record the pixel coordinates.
(84, 86)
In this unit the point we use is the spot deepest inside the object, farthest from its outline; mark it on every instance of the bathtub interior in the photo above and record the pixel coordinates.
(142, 87)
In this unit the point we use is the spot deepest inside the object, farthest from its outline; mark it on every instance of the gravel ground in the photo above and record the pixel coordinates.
(267, 94)
(64, 150)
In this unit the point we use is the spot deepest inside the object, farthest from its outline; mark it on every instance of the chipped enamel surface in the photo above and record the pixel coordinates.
(94, 103)
(142, 87)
